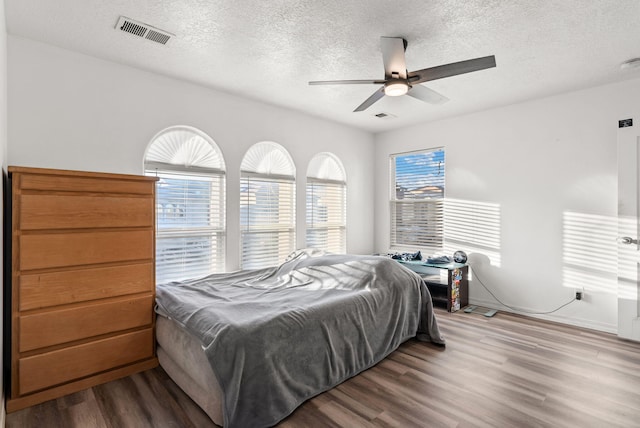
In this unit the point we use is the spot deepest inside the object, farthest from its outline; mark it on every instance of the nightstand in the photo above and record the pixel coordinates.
(448, 283)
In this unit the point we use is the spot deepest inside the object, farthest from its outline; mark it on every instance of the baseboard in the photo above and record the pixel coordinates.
(577, 322)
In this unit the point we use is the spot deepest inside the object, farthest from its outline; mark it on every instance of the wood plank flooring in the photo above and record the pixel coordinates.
(506, 371)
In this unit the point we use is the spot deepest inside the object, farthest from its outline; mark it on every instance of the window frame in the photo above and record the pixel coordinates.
(260, 257)
(427, 229)
(214, 233)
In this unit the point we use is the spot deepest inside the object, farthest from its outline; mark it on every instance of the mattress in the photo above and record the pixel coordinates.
(276, 337)
(181, 356)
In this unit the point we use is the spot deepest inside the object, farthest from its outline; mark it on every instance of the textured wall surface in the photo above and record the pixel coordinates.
(71, 111)
(532, 198)
(269, 50)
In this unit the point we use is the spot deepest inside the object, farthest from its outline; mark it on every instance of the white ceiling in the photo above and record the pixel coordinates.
(269, 49)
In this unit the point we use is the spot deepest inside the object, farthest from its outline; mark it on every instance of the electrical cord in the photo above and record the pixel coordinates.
(475, 276)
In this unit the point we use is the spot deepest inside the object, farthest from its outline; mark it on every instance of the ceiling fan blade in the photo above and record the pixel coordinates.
(452, 69)
(427, 95)
(393, 57)
(347, 82)
(372, 99)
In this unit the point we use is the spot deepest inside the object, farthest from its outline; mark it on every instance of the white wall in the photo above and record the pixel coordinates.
(533, 189)
(536, 181)
(3, 162)
(72, 111)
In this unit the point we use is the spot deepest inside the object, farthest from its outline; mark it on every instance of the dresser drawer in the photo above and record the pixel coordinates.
(42, 290)
(66, 325)
(50, 250)
(76, 183)
(65, 365)
(40, 211)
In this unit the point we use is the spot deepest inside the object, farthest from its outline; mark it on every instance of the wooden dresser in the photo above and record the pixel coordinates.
(82, 281)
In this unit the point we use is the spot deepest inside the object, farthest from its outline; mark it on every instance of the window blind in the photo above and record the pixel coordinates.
(417, 199)
(190, 237)
(326, 215)
(267, 219)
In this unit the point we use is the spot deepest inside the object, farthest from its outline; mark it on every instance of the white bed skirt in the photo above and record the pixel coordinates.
(182, 357)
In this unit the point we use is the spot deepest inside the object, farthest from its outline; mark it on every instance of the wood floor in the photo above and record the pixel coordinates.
(506, 371)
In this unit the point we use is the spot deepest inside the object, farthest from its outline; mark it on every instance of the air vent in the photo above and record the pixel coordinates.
(383, 115)
(143, 30)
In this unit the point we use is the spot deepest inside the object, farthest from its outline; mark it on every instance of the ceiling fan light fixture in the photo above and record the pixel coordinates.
(398, 80)
(396, 88)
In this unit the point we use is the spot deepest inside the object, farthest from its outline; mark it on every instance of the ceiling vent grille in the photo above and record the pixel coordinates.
(143, 30)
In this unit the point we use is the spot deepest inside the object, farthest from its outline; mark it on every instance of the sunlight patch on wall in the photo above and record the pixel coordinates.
(589, 251)
(473, 227)
(628, 257)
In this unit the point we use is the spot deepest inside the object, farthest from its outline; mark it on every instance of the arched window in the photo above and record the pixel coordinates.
(267, 205)
(326, 204)
(190, 238)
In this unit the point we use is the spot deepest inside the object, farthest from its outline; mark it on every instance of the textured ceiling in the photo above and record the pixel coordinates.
(269, 50)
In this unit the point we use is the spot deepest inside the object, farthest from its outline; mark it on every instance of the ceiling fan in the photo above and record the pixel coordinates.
(398, 81)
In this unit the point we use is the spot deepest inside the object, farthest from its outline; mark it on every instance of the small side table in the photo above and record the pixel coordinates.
(448, 283)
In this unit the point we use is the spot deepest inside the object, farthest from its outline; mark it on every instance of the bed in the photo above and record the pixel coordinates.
(251, 346)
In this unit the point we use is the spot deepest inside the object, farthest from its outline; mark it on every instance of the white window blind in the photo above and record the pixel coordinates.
(190, 204)
(190, 237)
(267, 206)
(326, 215)
(326, 206)
(417, 199)
(267, 220)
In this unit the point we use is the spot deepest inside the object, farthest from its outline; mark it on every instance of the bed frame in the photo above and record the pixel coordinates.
(181, 356)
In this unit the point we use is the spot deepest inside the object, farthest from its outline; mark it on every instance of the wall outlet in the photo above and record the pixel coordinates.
(579, 295)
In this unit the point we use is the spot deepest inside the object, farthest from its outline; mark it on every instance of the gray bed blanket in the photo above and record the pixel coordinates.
(276, 337)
